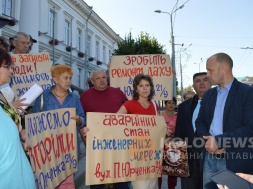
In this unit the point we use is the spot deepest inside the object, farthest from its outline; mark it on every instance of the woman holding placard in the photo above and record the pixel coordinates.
(143, 92)
(57, 97)
(13, 161)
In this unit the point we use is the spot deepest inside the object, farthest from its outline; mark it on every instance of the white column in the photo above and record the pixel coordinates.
(29, 20)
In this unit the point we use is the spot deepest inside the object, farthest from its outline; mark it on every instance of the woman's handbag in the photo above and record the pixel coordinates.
(175, 160)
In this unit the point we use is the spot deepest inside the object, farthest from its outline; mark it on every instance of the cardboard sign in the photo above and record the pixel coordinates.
(123, 69)
(53, 152)
(28, 70)
(123, 147)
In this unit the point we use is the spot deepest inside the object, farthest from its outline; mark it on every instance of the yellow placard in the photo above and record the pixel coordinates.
(123, 147)
(30, 69)
(123, 69)
(53, 152)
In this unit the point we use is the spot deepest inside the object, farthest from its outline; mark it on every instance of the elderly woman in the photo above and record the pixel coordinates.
(15, 170)
(143, 92)
(58, 97)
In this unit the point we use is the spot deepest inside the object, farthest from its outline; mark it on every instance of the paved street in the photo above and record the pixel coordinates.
(80, 174)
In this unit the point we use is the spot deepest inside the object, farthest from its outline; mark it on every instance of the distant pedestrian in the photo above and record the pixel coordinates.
(188, 94)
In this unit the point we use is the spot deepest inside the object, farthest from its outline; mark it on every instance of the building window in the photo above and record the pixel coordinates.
(88, 79)
(97, 50)
(79, 39)
(7, 7)
(67, 32)
(104, 54)
(52, 24)
(89, 46)
(89, 74)
(110, 54)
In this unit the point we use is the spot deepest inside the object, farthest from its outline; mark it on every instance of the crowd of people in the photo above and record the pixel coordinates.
(211, 120)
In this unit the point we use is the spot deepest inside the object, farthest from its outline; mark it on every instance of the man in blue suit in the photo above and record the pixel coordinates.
(225, 121)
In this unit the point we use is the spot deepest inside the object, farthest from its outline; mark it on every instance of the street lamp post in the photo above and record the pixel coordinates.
(86, 44)
(172, 44)
(181, 71)
(53, 35)
(201, 60)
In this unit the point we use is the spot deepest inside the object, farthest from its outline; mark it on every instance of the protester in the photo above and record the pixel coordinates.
(188, 94)
(143, 92)
(185, 130)
(6, 60)
(15, 170)
(225, 118)
(21, 43)
(170, 117)
(5, 89)
(57, 97)
(102, 98)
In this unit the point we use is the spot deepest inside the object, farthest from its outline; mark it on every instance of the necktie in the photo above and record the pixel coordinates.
(195, 115)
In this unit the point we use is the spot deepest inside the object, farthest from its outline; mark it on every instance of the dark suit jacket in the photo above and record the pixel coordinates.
(237, 125)
(184, 130)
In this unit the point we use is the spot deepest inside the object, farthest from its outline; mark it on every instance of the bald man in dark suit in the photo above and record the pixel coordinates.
(225, 121)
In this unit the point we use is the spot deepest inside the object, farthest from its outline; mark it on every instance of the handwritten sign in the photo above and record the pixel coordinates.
(30, 69)
(123, 69)
(123, 147)
(53, 152)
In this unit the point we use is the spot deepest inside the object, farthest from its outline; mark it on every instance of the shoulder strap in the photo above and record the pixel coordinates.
(154, 106)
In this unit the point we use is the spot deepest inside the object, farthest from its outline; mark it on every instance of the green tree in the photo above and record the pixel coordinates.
(143, 44)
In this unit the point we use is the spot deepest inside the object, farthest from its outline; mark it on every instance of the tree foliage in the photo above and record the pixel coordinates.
(143, 44)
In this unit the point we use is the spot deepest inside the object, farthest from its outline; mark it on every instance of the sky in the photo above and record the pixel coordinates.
(211, 26)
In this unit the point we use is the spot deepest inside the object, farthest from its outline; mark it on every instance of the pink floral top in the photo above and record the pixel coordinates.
(170, 121)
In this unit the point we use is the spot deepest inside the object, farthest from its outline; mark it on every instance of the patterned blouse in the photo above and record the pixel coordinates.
(8, 108)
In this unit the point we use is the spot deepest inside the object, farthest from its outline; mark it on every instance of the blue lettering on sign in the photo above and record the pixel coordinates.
(128, 91)
(29, 78)
(42, 181)
(162, 90)
(130, 80)
(71, 160)
(45, 121)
